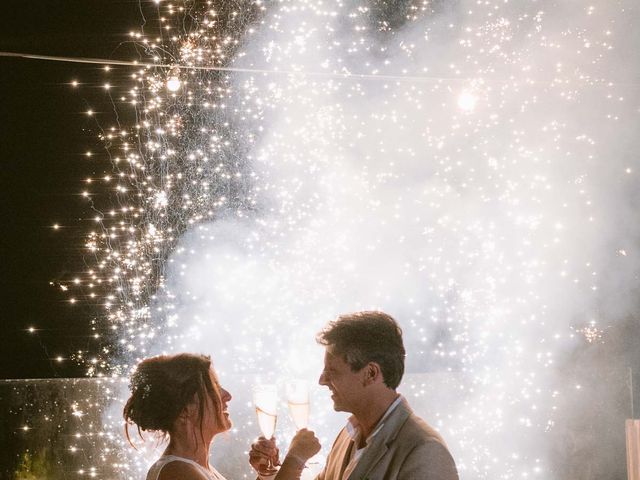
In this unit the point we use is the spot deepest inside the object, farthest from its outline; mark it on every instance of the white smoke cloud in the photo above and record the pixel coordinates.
(484, 201)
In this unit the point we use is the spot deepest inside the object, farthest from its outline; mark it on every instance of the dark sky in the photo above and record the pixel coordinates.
(44, 134)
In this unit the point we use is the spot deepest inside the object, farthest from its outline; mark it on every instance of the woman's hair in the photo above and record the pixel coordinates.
(161, 387)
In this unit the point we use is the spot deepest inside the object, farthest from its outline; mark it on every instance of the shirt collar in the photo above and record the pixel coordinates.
(353, 427)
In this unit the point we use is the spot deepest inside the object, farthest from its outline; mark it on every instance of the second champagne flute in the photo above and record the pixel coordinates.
(298, 400)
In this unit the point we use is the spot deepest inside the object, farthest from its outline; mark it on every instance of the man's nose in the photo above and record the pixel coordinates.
(323, 379)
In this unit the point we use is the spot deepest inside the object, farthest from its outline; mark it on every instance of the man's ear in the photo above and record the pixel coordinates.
(372, 373)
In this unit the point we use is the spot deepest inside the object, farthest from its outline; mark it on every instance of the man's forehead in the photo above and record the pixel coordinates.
(330, 354)
(332, 357)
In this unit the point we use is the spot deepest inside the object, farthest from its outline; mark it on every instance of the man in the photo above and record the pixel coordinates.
(383, 439)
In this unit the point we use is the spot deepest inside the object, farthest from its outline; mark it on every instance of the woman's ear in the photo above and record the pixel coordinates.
(192, 410)
(188, 413)
(183, 416)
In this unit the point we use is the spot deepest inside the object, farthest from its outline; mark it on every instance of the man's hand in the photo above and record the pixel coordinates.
(264, 454)
(304, 445)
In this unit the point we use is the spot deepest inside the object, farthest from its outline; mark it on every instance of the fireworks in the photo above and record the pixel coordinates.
(451, 165)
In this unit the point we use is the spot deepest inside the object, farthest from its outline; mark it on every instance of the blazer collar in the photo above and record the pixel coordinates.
(380, 443)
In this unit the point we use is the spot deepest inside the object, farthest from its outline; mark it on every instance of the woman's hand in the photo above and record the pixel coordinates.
(263, 454)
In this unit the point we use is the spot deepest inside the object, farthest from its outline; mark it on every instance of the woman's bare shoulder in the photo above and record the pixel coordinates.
(180, 471)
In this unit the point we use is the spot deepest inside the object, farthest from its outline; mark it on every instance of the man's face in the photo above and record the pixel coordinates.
(347, 387)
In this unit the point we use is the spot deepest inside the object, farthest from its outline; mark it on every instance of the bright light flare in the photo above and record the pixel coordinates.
(173, 83)
(467, 101)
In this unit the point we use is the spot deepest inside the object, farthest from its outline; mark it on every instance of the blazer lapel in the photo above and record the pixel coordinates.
(380, 443)
(369, 459)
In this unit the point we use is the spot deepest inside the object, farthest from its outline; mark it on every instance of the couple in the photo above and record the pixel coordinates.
(363, 365)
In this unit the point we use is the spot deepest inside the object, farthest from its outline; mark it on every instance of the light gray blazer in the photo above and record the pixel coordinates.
(406, 448)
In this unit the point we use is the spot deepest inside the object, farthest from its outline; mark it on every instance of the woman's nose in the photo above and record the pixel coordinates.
(226, 396)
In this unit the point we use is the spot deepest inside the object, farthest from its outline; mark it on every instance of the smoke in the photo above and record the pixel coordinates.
(474, 177)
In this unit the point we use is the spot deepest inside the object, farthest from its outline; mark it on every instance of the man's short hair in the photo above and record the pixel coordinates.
(364, 337)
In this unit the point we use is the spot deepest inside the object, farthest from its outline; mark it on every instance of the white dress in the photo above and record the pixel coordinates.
(154, 471)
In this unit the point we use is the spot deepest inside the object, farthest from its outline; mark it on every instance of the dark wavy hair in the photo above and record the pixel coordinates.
(161, 387)
(364, 337)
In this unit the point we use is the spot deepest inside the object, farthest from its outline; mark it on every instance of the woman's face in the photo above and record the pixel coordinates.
(210, 423)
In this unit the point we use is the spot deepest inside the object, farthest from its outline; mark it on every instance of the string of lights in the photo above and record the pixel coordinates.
(346, 75)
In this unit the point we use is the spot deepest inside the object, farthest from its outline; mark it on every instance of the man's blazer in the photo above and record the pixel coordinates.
(406, 448)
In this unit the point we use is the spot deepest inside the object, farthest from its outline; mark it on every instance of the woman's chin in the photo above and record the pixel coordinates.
(227, 421)
(229, 424)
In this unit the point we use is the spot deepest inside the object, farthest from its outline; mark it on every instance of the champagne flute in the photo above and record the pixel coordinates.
(298, 400)
(265, 399)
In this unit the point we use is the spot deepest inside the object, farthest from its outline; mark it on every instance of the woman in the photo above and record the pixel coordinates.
(179, 396)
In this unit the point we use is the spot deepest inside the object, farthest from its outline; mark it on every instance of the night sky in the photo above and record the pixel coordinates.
(44, 136)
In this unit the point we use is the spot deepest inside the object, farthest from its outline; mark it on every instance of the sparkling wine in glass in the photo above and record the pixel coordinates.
(298, 400)
(265, 399)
